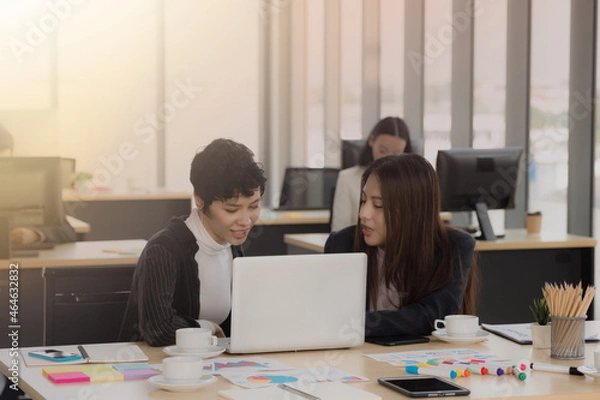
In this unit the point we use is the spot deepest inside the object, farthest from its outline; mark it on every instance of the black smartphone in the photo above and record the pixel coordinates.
(396, 340)
(55, 355)
(424, 386)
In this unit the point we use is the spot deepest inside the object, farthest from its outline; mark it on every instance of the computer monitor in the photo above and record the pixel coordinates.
(31, 191)
(351, 150)
(307, 188)
(478, 180)
(68, 170)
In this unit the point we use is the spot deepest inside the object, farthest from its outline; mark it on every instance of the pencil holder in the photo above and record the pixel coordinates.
(567, 338)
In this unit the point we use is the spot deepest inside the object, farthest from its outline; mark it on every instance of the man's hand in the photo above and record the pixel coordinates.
(24, 236)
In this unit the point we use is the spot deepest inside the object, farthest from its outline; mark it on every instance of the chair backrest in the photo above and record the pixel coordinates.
(351, 152)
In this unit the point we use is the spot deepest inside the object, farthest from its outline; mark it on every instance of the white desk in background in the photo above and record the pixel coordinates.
(57, 288)
(538, 385)
(80, 227)
(513, 269)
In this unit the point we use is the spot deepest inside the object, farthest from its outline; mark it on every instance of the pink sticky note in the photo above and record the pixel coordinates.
(68, 377)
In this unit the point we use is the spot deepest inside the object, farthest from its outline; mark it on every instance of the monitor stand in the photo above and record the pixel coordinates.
(485, 226)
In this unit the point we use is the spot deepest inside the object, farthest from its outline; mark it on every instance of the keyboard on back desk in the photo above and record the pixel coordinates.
(32, 246)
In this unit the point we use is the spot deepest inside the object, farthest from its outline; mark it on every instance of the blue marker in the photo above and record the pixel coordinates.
(434, 371)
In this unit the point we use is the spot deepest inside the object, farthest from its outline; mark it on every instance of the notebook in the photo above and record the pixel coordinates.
(521, 333)
(105, 353)
(298, 302)
(324, 391)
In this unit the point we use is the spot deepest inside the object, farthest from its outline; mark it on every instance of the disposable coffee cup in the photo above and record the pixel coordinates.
(194, 339)
(533, 223)
(458, 325)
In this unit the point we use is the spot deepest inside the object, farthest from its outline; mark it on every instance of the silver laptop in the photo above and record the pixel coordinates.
(298, 302)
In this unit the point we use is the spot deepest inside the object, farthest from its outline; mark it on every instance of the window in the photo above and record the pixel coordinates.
(549, 135)
(489, 82)
(392, 58)
(438, 67)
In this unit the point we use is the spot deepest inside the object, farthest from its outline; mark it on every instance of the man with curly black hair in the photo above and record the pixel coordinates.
(183, 276)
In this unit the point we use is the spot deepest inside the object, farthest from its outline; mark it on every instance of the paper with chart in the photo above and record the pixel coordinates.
(404, 358)
(257, 379)
(223, 364)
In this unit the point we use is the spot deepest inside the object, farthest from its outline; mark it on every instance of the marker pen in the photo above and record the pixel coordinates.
(520, 375)
(494, 369)
(478, 369)
(434, 371)
(460, 369)
(565, 369)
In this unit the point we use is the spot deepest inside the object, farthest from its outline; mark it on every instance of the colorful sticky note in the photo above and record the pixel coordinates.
(68, 377)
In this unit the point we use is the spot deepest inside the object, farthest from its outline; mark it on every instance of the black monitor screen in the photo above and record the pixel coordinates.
(308, 188)
(478, 179)
(31, 190)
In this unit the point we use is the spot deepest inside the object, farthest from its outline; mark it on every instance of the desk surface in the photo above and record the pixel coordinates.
(297, 217)
(72, 195)
(515, 239)
(538, 385)
(305, 217)
(82, 254)
(78, 225)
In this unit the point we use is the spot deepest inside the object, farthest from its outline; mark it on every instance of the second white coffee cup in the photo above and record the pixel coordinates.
(194, 339)
(185, 369)
(458, 324)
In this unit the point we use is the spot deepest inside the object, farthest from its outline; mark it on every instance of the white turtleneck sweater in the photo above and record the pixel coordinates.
(214, 271)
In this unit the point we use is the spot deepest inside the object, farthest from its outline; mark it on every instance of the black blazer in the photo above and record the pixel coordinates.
(416, 318)
(165, 291)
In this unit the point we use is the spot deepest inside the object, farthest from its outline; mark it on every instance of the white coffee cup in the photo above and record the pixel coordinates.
(597, 359)
(194, 339)
(459, 325)
(185, 369)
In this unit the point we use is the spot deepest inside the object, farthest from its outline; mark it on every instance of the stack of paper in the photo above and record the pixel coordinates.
(325, 391)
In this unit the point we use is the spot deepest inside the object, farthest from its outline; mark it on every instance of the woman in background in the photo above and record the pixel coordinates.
(389, 137)
(183, 276)
(419, 269)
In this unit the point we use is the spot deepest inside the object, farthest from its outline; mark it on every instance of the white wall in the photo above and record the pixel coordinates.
(212, 46)
(99, 101)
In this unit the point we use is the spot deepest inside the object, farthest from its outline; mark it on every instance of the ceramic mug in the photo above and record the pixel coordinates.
(194, 339)
(459, 324)
(185, 369)
(597, 359)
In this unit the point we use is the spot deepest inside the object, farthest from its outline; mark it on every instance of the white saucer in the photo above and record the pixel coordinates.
(589, 370)
(478, 337)
(206, 352)
(160, 382)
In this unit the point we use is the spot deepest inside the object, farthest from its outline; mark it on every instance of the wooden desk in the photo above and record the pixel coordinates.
(538, 385)
(513, 269)
(266, 237)
(126, 216)
(72, 270)
(79, 226)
